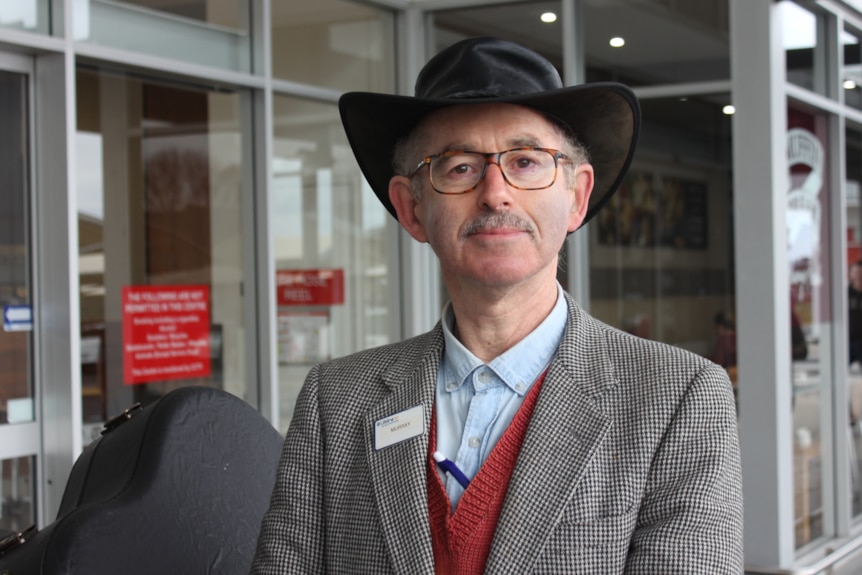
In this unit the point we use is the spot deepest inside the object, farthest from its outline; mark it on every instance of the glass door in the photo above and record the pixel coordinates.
(19, 429)
(160, 191)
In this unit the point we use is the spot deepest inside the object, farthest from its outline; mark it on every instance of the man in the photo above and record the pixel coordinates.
(854, 305)
(564, 445)
(724, 350)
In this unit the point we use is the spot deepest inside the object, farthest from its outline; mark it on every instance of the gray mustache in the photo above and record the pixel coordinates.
(495, 220)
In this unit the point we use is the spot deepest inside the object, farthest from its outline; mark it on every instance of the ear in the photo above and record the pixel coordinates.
(584, 180)
(405, 204)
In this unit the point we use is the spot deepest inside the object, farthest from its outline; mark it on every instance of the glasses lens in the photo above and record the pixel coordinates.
(458, 172)
(529, 169)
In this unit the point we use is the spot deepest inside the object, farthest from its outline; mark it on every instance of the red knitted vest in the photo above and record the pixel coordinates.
(462, 541)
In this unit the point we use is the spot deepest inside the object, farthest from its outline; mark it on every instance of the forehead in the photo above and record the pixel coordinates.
(474, 126)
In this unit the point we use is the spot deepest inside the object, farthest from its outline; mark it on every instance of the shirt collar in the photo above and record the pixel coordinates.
(521, 364)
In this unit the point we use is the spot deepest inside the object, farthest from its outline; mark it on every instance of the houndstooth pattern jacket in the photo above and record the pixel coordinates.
(630, 465)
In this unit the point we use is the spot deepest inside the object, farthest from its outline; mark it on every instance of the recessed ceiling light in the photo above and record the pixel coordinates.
(548, 17)
(617, 42)
(729, 110)
(849, 84)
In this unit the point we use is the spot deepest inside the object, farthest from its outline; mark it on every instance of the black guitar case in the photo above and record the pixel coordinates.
(178, 487)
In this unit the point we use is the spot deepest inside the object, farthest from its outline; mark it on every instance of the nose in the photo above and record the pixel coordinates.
(494, 192)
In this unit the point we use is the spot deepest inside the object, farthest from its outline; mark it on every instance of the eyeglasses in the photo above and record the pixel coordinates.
(458, 172)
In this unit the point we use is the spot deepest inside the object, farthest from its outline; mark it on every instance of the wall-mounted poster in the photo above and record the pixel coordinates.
(651, 211)
(166, 333)
(303, 337)
(310, 287)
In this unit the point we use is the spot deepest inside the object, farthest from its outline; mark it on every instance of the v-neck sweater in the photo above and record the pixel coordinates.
(462, 541)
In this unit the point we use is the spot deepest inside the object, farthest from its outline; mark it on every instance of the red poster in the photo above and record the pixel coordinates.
(166, 333)
(310, 287)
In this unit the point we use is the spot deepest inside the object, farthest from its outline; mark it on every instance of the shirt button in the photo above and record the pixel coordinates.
(474, 442)
(519, 386)
(451, 386)
(484, 377)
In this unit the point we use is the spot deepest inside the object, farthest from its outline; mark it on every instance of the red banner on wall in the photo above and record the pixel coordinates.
(310, 287)
(166, 333)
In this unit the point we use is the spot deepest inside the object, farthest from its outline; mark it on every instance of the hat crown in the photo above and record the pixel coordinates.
(486, 68)
(604, 116)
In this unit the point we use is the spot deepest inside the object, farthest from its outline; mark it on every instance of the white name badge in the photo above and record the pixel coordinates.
(399, 427)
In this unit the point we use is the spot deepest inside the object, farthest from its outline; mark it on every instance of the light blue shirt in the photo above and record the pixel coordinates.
(476, 402)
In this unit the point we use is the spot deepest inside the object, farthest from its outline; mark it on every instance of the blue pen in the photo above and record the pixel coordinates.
(451, 468)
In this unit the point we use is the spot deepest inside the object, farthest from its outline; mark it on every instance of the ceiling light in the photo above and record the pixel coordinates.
(548, 17)
(617, 42)
(729, 110)
(849, 84)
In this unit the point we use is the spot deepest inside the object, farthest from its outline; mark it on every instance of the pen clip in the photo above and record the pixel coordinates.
(449, 467)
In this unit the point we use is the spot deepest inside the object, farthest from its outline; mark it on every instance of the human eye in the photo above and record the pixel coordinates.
(462, 168)
(526, 161)
(455, 167)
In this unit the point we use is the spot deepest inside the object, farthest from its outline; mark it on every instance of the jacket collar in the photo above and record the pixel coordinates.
(565, 432)
(398, 472)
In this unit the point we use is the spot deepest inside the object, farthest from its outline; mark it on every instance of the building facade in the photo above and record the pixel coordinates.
(179, 206)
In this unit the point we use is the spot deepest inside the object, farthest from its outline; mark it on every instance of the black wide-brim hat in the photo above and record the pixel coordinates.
(604, 116)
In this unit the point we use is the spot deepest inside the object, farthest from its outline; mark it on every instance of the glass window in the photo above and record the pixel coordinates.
(661, 251)
(520, 22)
(810, 312)
(804, 47)
(203, 32)
(16, 333)
(853, 208)
(337, 44)
(329, 234)
(29, 15)
(656, 42)
(17, 494)
(160, 241)
(851, 75)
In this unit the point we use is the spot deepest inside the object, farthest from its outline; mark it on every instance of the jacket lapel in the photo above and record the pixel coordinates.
(398, 471)
(565, 431)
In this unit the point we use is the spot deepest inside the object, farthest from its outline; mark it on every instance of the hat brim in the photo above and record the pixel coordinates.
(604, 116)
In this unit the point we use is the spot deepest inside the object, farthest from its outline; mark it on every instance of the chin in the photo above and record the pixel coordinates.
(502, 275)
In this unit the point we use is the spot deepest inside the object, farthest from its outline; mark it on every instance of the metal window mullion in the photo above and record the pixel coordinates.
(760, 184)
(57, 304)
(840, 502)
(258, 257)
(417, 268)
(578, 244)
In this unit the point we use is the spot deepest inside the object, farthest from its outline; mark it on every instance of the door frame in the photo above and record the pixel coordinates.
(25, 439)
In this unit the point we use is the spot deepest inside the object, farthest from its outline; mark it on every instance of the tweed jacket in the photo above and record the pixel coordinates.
(630, 465)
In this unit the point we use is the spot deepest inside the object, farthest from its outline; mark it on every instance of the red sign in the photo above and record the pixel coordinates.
(310, 287)
(166, 333)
